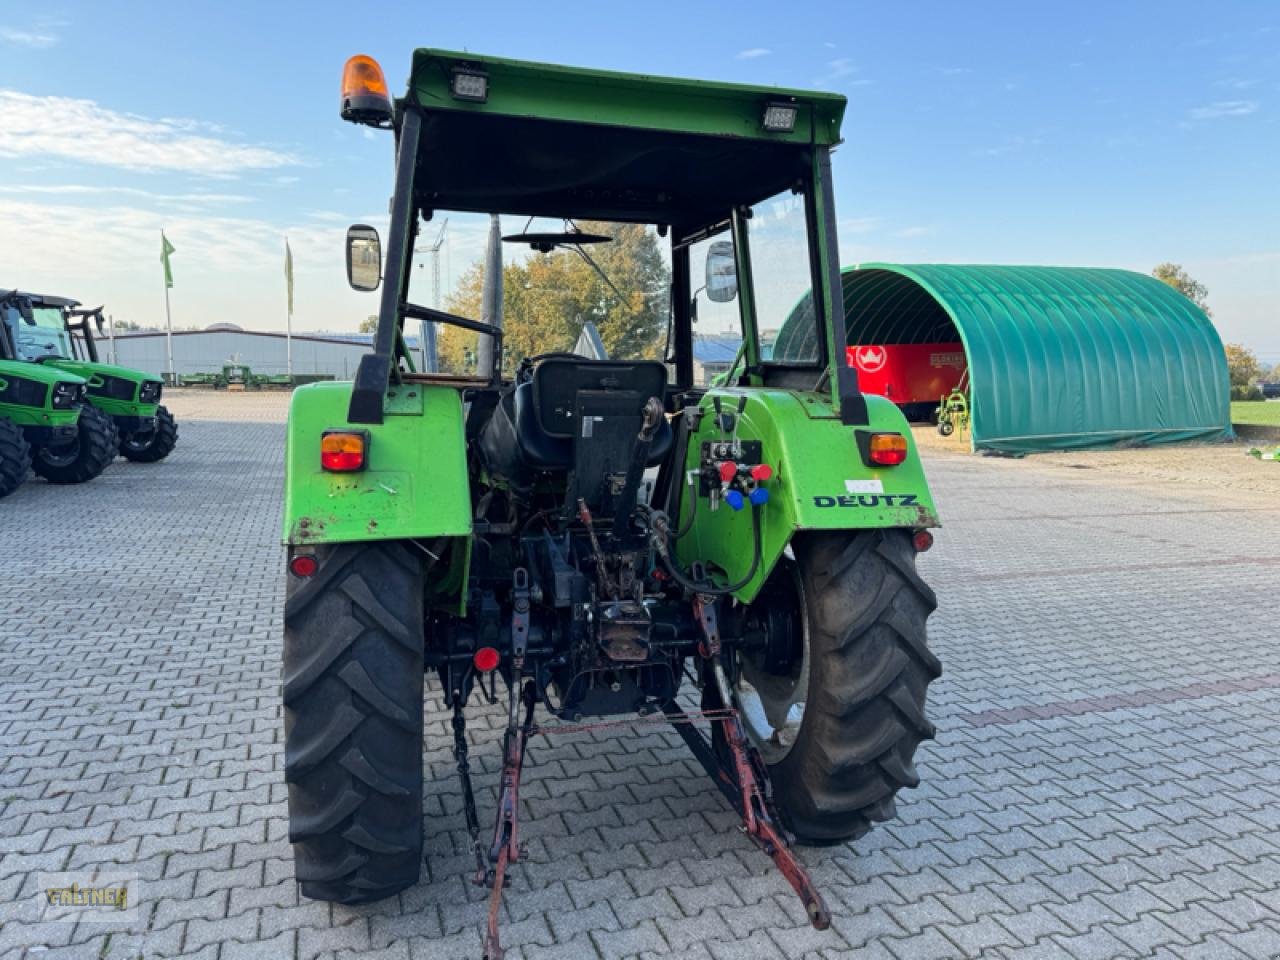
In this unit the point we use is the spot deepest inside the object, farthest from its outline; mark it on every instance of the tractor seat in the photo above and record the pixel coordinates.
(548, 411)
(533, 427)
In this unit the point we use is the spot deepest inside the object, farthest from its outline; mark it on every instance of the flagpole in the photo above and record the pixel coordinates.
(288, 334)
(168, 323)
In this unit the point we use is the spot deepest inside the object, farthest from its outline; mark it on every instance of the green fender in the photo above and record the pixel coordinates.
(820, 481)
(414, 485)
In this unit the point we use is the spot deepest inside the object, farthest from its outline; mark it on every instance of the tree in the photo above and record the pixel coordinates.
(369, 324)
(548, 297)
(1242, 365)
(1184, 283)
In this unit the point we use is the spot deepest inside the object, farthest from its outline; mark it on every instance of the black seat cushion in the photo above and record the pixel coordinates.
(537, 447)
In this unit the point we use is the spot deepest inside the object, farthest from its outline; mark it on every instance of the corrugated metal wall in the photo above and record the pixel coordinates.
(207, 350)
(1058, 356)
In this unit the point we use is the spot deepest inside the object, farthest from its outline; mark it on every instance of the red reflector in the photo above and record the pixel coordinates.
(486, 659)
(303, 565)
(887, 449)
(922, 540)
(343, 451)
(761, 471)
(728, 470)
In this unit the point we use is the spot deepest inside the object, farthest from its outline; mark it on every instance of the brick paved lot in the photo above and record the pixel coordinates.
(1106, 780)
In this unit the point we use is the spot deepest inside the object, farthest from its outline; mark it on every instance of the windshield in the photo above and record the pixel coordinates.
(578, 298)
(782, 279)
(46, 337)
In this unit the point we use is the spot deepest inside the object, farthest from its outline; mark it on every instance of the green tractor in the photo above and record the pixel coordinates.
(602, 539)
(45, 423)
(52, 331)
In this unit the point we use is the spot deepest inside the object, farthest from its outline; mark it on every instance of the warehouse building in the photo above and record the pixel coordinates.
(205, 351)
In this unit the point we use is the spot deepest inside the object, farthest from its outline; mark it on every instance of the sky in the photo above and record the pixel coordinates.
(1082, 133)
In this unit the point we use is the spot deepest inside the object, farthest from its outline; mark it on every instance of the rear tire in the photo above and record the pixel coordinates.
(15, 457)
(85, 457)
(353, 680)
(154, 445)
(867, 671)
(946, 427)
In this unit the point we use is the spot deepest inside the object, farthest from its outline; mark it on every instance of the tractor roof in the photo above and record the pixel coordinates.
(563, 141)
(40, 299)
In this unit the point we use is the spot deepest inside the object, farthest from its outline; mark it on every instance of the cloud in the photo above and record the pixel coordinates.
(1236, 83)
(838, 69)
(753, 53)
(954, 71)
(36, 39)
(1224, 108)
(908, 233)
(87, 132)
(78, 189)
(225, 267)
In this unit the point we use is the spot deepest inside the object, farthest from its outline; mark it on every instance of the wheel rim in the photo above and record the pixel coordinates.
(62, 456)
(140, 442)
(772, 682)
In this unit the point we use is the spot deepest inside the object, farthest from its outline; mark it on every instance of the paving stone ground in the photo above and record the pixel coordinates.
(1105, 783)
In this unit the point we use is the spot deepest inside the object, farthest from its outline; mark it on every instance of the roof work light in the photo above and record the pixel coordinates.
(364, 93)
(469, 83)
(780, 117)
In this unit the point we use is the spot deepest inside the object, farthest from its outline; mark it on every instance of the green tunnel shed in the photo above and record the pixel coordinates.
(1058, 357)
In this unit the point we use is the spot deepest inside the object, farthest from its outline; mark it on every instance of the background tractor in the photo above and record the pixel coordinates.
(45, 424)
(601, 536)
(52, 331)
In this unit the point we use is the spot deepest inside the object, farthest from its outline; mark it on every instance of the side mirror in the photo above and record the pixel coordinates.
(364, 257)
(722, 272)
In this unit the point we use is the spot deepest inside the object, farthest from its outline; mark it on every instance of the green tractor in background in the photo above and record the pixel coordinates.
(598, 534)
(45, 423)
(52, 331)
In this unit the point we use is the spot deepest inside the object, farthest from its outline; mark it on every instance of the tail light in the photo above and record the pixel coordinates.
(344, 451)
(882, 449)
(922, 540)
(486, 659)
(303, 565)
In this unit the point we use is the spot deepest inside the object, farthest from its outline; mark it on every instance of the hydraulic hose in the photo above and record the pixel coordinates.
(660, 525)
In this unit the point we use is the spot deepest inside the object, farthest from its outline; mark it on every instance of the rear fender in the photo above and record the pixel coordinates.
(820, 481)
(414, 486)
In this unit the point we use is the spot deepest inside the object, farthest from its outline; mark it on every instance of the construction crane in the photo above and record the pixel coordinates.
(429, 362)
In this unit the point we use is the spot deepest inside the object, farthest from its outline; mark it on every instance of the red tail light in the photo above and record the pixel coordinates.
(344, 451)
(922, 540)
(303, 565)
(486, 659)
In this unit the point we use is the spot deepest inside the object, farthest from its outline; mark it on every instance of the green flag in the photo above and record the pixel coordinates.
(166, 248)
(288, 272)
